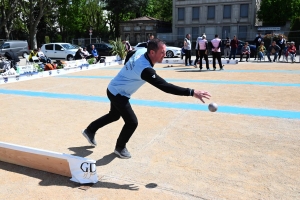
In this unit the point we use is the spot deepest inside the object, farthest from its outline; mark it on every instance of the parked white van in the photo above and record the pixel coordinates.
(19, 47)
(59, 50)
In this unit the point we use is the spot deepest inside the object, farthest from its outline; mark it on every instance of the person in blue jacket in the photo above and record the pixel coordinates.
(94, 53)
(136, 72)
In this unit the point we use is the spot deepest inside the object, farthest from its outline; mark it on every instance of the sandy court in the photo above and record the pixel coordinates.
(249, 149)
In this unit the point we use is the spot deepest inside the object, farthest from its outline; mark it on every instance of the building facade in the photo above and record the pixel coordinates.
(223, 17)
(138, 29)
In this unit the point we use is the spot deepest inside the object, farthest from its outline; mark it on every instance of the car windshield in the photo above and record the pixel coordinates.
(68, 46)
(109, 45)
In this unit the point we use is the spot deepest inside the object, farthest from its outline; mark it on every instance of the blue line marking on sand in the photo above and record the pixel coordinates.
(162, 104)
(201, 81)
(180, 68)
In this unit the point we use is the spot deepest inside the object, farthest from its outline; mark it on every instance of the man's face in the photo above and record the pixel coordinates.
(273, 43)
(151, 37)
(159, 55)
(93, 47)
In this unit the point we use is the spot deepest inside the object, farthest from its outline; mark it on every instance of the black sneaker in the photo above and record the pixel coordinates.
(90, 137)
(123, 153)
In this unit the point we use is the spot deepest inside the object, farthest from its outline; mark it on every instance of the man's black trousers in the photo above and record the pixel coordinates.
(119, 107)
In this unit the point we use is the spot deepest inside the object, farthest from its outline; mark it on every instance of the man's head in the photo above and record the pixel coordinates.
(216, 36)
(188, 36)
(292, 43)
(156, 50)
(262, 43)
(151, 37)
(234, 37)
(93, 47)
(203, 37)
(84, 48)
(273, 43)
(246, 44)
(35, 50)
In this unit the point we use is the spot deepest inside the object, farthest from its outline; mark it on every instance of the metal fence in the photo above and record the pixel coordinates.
(86, 41)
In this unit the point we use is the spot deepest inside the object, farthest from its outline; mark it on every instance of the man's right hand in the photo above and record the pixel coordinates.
(201, 94)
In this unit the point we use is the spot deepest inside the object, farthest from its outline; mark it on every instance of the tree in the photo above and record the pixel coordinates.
(277, 12)
(120, 11)
(9, 11)
(32, 12)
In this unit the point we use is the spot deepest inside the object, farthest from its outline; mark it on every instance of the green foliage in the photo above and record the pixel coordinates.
(47, 39)
(58, 38)
(294, 34)
(277, 12)
(91, 61)
(118, 48)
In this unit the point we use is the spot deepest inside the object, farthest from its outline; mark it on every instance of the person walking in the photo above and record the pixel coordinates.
(203, 47)
(197, 51)
(234, 46)
(137, 71)
(227, 48)
(216, 51)
(281, 43)
(187, 49)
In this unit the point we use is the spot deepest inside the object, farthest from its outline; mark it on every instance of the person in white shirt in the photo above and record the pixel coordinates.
(197, 50)
(42, 57)
(85, 53)
(216, 51)
(187, 47)
(203, 47)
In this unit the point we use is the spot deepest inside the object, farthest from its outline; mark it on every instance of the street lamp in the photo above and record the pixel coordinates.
(91, 33)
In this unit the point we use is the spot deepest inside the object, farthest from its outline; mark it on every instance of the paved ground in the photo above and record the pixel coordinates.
(249, 149)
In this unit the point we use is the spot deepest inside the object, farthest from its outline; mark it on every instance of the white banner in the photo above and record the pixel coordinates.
(82, 170)
(29, 72)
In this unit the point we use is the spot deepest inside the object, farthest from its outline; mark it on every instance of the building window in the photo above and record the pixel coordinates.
(211, 12)
(242, 32)
(149, 28)
(180, 33)
(137, 28)
(225, 32)
(244, 10)
(180, 13)
(227, 12)
(195, 15)
(195, 33)
(127, 28)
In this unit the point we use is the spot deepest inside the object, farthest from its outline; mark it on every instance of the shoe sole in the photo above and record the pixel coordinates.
(123, 157)
(88, 139)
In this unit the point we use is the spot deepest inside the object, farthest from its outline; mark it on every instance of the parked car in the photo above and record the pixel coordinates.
(104, 49)
(19, 47)
(59, 50)
(170, 51)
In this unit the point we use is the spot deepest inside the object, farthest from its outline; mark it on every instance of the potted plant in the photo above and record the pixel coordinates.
(118, 48)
